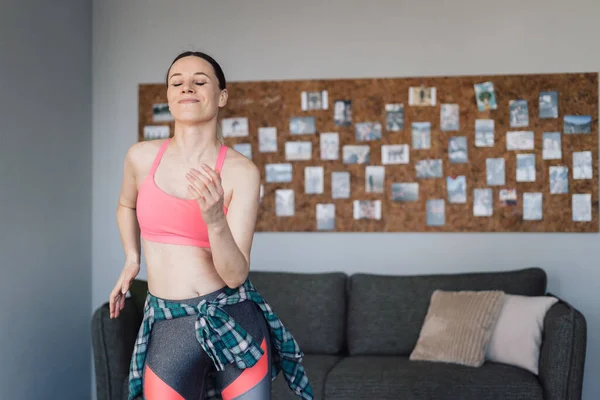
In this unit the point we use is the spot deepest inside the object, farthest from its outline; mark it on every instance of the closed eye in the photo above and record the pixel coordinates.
(197, 83)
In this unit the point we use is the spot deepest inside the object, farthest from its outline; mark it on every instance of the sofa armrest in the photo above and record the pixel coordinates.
(112, 342)
(562, 353)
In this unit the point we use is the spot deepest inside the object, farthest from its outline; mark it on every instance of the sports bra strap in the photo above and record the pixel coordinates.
(159, 155)
(221, 159)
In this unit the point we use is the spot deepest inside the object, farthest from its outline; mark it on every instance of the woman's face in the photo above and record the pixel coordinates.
(193, 91)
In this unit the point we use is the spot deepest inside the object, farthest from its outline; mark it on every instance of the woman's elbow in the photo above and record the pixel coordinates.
(234, 283)
(238, 279)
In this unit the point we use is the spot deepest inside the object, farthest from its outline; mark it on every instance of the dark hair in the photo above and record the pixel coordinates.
(218, 71)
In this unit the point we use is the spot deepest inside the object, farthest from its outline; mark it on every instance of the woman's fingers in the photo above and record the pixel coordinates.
(204, 185)
(195, 193)
(114, 297)
(216, 179)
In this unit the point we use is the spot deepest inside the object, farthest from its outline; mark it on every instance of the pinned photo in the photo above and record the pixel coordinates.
(367, 209)
(314, 100)
(495, 171)
(421, 135)
(366, 131)
(342, 112)
(325, 217)
(262, 192)
(519, 140)
(422, 96)
(485, 96)
(330, 146)
(374, 178)
(525, 167)
(340, 185)
(394, 117)
(449, 117)
(581, 204)
(405, 192)
(298, 150)
(244, 148)
(519, 113)
(429, 168)
(457, 149)
(508, 197)
(577, 124)
(582, 165)
(482, 202)
(313, 180)
(532, 206)
(395, 154)
(278, 172)
(284, 202)
(457, 189)
(161, 113)
(548, 104)
(234, 127)
(356, 154)
(267, 139)
(302, 125)
(552, 146)
(435, 212)
(153, 132)
(484, 133)
(559, 179)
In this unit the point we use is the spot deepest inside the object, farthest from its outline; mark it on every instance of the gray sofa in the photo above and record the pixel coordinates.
(357, 332)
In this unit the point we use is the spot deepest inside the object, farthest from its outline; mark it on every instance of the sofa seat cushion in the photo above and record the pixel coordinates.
(396, 377)
(317, 367)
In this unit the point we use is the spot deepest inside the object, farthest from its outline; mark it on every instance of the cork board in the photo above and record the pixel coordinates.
(541, 199)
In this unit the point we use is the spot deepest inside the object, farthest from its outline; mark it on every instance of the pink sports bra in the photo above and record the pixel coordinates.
(165, 218)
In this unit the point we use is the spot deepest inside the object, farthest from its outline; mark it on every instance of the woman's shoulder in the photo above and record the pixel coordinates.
(141, 154)
(238, 167)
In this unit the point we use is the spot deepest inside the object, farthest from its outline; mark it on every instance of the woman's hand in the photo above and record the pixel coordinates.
(205, 187)
(117, 296)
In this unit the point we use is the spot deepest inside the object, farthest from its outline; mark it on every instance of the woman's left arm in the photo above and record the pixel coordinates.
(230, 235)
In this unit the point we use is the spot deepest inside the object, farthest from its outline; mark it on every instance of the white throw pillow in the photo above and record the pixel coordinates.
(517, 336)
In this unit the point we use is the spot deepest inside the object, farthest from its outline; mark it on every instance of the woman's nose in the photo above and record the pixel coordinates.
(187, 88)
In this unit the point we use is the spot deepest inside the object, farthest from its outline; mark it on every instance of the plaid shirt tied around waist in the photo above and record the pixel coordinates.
(223, 340)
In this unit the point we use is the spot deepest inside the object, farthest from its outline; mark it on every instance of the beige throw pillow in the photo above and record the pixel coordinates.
(517, 337)
(458, 327)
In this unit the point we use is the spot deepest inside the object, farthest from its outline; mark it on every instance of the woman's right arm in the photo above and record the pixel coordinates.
(129, 228)
(129, 231)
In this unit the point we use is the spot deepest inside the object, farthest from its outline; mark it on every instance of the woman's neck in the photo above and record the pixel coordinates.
(195, 142)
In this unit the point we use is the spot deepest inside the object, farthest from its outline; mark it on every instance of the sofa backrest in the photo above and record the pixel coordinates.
(385, 313)
(311, 306)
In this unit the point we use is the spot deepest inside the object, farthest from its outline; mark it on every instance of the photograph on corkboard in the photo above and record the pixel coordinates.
(495, 153)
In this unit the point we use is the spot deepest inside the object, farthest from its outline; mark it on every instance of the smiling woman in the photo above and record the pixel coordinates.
(201, 79)
(206, 331)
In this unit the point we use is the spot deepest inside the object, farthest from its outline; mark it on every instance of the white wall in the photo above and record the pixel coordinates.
(45, 199)
(135, 41)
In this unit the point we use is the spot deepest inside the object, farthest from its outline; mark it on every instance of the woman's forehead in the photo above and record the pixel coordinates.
(191, 66)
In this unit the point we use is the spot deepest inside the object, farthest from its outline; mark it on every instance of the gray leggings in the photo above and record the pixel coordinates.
(176, 366)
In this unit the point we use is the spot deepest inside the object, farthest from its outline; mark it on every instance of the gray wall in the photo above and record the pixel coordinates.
(45, 199)
(135, 41)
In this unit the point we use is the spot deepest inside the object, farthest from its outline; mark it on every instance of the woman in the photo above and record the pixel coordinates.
(206, 331)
